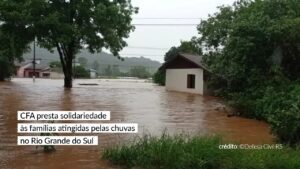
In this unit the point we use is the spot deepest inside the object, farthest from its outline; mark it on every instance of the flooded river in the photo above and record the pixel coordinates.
(135, 101)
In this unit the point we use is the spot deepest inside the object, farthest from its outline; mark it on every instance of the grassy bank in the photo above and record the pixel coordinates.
(184, 152)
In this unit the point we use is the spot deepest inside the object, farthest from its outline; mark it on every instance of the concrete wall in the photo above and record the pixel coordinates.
(176, 80)
(56, 75)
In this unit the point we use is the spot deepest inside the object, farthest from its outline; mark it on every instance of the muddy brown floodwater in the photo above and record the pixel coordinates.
(133, 101)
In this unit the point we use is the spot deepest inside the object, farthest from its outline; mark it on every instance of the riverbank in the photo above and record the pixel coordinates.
(205, 152)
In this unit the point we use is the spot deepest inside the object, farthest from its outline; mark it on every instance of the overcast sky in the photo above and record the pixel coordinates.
(153, 41)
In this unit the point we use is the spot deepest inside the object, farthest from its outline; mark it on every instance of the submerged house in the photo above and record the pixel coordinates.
(25, 69)
(93, 73)
(187, 73)
(42, 70)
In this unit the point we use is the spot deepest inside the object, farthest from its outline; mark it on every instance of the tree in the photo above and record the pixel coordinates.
(82, 61)
(115, 70)
(160, 77)
(108, 71)
(254, 47)
(96, 65)
(248, 40)
(139, 72)
(191, 46)
(13, 43)
(70, 25)
(55, 64)
(81, 72)
(5, 68)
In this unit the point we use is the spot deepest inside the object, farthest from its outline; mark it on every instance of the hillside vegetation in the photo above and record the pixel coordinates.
(102, 59)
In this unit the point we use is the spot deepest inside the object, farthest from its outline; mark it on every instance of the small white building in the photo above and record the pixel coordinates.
(186, 73)
(93, 73)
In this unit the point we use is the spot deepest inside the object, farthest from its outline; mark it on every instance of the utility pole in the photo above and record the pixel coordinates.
(74, 65)
(33, 77)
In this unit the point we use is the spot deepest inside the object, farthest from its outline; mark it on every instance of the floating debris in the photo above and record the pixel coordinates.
(88, 84)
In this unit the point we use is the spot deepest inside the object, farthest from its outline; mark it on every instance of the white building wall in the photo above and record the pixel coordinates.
(176, 80)
(93, 75)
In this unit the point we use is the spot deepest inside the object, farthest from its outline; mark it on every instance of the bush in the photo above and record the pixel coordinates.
(259, 59)
(160, 77)
(280, 107)
(81, 72)
(185, 152)
(6, 68)
(139, 72)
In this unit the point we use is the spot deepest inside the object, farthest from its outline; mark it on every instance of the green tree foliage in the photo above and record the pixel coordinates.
(280, 105)
(112, 70)
(55, 64)
(81, 72)
(13, 43)
(115, 70)
(159, 77)
(254, 47)
(108, 71)
(6, 68)
(139, 72)
(83, 61)
(191, 47)
(96, 65)
(70, 25)
(248, 39)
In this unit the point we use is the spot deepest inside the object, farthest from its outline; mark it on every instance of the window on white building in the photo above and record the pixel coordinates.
(191, 81)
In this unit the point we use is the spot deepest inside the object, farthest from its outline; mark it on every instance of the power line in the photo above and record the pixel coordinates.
(159, 24)
(143, 47)
(121, 54)
(120, 65)
(137, 54)
(166, 18)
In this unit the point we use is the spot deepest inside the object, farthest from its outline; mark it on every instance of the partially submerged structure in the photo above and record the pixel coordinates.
(93, 73)
(187, 73)
(41, 70)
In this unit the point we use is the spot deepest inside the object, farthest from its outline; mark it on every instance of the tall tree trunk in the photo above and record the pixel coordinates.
(66, 59)
(68, 52)
(68, 73)
(69, 60)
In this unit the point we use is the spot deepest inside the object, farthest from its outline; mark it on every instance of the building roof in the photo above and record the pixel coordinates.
(93, 70)
(194, 59)
(26, 62)
(38, 66)
(197, 59)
